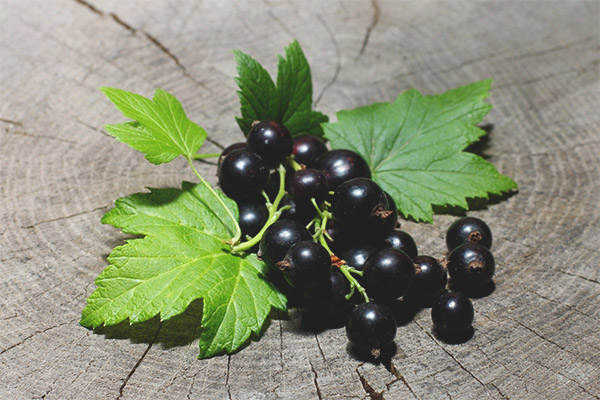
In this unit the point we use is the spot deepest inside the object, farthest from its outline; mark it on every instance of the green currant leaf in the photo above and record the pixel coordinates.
(415, 145)
(289, 102)
(182, 257)
(161, 129)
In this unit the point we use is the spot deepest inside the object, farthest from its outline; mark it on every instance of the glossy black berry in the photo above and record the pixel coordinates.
(306, 265)
(401, 240)
(342, 165)
(430, 278)
(230, 149)
(307, 184)
(330, 297)
(470, 266)
(279, 237)
(252, 217)
(302, 212)
(371, 327)
(271, 140)
(453, 313)
(307, 149)
(360, 205)
(356, 257)
(468, 229)
(243, 175)
(388, 274)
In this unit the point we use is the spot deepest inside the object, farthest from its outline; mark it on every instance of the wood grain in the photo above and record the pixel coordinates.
(536, 336)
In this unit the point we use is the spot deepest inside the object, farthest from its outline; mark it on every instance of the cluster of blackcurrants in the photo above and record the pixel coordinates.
(336, 248)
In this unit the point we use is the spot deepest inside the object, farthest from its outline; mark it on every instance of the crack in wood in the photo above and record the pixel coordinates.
(571, 308)
(579, 276)
(320, 348)
(138, 363)
(151, 38)
(499, 391)
(10, 121)
(452, 356)
(64, 217)
(35, 334)
(338, 60)
(315, 380)
(25, 134)
(399, 377)
(370, 28)
(373, 394)
(227, 377)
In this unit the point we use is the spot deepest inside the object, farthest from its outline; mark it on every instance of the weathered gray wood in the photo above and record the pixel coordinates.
(536, 335)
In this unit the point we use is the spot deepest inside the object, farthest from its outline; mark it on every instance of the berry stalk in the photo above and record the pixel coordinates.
(274, 214)
(346, 270)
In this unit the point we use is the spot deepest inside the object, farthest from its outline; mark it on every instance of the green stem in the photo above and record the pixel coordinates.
(294, 164)
(274, 215)
(238, 231)
(208, 155)
(346, 270)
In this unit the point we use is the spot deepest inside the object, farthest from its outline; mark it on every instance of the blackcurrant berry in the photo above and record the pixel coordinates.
(252, 217)
(342, 165)
(307, 184)
(388, 274)
(356, 257)
(330, 297)
(371, 327)
(303, 212)
(400, 240)
(430, 279)
(360, 205)
(230, 149)
(270, 140)
(470, 266)
(306, 265)
(243, 175)
(468, 229)
(307, 149)
(453, 313)
(278, 238)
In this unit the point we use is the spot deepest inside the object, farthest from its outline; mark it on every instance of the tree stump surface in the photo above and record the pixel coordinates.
(536, 336)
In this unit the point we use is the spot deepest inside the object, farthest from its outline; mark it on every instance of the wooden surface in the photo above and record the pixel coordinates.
(536, 337)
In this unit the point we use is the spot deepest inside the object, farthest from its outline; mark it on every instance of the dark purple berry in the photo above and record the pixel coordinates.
(371, 327)
(302, 212)
(307, 149)
(278, 238)
(306, 265)
(340, 166)
(430, 278)
(400, 240)
(252, 217)
(470, 266)
(453, 313)
(388, 274)
(230, 149)
(330, 297)
(307, 184)
(360, 205)
(356, 257)
(243, 175)
(468, 229)
(271, 140)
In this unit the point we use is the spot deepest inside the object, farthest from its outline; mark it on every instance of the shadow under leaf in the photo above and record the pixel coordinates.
(178, 331)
